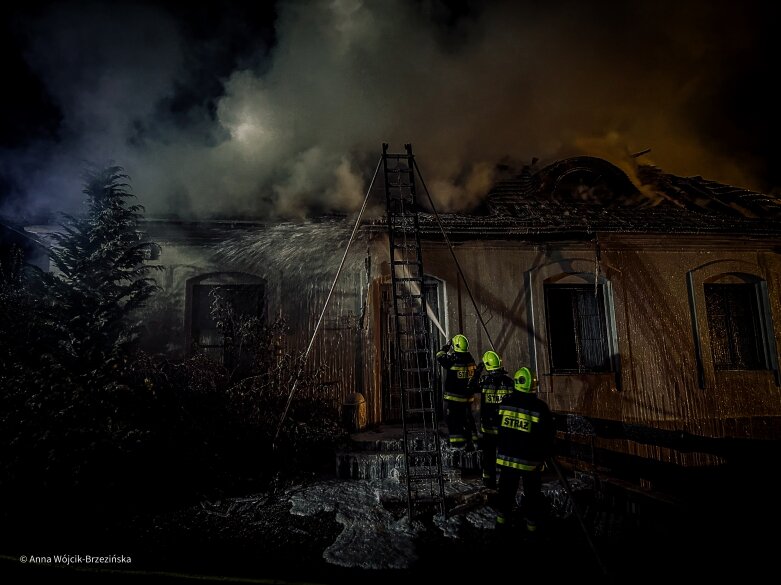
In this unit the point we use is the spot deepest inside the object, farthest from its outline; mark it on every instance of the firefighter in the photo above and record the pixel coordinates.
(492, 387)
(525, 442)
(460, 366)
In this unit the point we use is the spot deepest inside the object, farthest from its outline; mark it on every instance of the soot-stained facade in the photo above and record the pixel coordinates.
(649, 307)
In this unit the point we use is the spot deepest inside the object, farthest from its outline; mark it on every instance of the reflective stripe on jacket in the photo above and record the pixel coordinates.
(460, 367)
(526, 431)
(493, 387)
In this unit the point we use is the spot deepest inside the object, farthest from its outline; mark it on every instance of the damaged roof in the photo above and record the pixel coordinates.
(584, 195)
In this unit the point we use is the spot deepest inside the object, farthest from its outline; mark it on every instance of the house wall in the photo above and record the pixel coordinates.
(296, 292)
(666, 378)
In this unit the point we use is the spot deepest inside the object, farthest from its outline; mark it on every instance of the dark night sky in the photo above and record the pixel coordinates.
(224, 108)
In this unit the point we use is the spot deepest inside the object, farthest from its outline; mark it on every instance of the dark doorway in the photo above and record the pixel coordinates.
(391, 385)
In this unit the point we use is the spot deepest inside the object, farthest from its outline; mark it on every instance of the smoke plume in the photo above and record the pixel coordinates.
(293, 126)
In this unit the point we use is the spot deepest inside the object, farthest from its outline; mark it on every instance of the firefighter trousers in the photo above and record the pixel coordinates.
(532, 500)
(459, 429)
(488, 458)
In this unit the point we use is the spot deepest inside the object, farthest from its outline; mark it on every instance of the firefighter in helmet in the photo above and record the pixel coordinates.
(493, 384)
(526, 437)
(460, 366)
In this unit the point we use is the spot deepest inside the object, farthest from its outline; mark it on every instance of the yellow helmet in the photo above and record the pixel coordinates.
(525, 381)
(492, 361)
(460, 343)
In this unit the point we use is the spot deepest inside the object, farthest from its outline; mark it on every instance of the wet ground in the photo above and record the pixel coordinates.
(326, 529)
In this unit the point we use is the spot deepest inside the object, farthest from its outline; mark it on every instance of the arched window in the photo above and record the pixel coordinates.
(221, 309)
(732, 321)
(575, 335)
(735, 305)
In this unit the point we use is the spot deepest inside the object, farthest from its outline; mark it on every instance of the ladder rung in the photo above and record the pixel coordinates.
(419, 454)
(437, 501)
(423, 476)
(407, 303)
(400, 277)
(407, 263)
(424, 473)
(422, 436)
(423, 457)
(422, 450)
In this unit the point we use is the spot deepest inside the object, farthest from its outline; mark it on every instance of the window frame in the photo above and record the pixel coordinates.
(218, 279)
(230, 288)
(758, 329)
(572, 269)
(603, 309)
(725, 272)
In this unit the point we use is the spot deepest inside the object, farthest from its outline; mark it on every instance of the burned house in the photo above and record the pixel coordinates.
(649, 307)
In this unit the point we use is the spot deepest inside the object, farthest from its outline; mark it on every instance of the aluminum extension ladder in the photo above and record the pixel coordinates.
(412, 353)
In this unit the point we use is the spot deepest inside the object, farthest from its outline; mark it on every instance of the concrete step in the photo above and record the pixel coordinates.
(379, 454)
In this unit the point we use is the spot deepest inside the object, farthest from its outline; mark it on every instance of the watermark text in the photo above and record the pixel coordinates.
(65, 559)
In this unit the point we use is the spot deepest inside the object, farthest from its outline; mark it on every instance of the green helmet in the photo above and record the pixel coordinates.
(525, 381)
(460, 343)
(492, 361)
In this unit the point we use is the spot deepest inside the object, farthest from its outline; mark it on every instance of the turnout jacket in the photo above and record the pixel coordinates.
(526, 431)
(460, 368)
(493, 387)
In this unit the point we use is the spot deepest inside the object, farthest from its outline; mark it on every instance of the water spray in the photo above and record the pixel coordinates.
(325, 306)
(416, 289)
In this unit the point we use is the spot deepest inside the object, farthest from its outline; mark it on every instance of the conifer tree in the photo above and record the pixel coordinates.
(102, 275)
